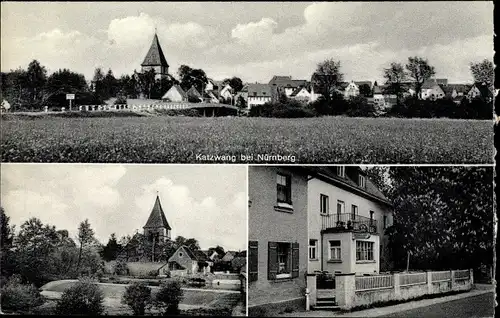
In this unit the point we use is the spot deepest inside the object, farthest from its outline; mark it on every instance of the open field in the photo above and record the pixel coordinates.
(158, 139)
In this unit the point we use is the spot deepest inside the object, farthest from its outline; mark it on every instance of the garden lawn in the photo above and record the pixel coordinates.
(157, 139)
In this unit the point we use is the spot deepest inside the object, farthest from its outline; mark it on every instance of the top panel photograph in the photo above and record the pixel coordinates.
(264, 83)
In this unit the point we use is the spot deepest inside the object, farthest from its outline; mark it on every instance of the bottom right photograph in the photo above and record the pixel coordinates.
(392, 241)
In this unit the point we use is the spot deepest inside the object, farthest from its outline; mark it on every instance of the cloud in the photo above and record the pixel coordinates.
(209, 221)
(62, 195)
(254, 32)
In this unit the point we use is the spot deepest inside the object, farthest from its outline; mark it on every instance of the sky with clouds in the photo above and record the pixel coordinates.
(251, 40)
(206, 202)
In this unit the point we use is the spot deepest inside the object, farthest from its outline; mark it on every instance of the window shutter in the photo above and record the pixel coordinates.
(272, 260)
(295, 260)
(253, 266)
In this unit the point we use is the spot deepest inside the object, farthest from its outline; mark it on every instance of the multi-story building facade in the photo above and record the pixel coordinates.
(277, 236)
(347, 217)
(304, 220)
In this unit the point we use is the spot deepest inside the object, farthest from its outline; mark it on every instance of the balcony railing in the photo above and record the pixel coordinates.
(348, 222)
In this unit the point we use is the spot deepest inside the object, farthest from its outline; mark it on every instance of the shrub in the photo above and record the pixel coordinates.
(121, 100)
(137, 296)
(153, 273)
(168, 297)
(83, 298)
(120, 268)
(16, 296)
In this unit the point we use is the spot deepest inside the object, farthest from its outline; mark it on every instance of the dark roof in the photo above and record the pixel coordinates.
(448, 90)
(484, 90)
(259, 89)
(157, 217)
(193, 92)
(286, 81)
(460, 88)
(155, 56)
(189, 252)
(297, 90)
(242, 254)
(369, 83)
(370, 189)
(200, 256)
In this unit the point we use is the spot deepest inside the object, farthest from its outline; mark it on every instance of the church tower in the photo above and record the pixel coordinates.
(157, 228)
(155, 59)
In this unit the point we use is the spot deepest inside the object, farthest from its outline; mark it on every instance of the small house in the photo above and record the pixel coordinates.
(175, 94)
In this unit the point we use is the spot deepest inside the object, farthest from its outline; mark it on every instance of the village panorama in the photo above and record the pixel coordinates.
(323, 106)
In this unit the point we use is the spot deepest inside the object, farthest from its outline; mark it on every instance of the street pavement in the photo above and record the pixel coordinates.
(473, 307)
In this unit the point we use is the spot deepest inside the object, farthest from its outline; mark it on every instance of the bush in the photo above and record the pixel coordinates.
(121, 100)
(16, 296)
(168, 297)
(153, 273)
(120, 268)
(289, 109)
(83, 298)
(137, 296)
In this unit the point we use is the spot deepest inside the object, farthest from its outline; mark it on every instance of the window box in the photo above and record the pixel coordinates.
(283, 207)
(334, 261)
(365, 262)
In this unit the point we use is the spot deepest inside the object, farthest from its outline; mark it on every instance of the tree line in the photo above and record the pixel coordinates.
(40, 253)
(33, 88)
(328, 79)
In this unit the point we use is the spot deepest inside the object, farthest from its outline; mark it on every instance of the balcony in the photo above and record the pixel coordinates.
(348, 223)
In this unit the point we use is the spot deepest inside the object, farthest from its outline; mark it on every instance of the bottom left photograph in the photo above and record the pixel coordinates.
(92, 239)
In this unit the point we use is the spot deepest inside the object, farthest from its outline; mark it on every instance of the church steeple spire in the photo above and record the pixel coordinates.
(155, 59)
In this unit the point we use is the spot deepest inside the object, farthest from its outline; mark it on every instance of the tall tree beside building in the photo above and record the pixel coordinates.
(419, 70)
(395, 76)
(327, 77)
(235, 82)
(192, 77)
(483, 72)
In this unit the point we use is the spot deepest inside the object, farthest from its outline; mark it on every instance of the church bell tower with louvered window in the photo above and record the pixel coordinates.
(157, 228)
(155, 59)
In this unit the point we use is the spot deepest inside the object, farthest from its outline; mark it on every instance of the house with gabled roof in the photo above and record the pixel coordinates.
(155, 59)
(190, 261)
(259, 94)
(431, 90)
(175, 94)
(193, 94)
(480, 90)
(286, 84)
(301, 93)
(157, 228)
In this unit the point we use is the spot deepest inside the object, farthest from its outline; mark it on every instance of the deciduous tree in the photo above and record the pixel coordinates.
(395, 76)
(327, 77)
(483, 72)
(419, 70)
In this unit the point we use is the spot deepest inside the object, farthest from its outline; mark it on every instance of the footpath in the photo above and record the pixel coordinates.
(479, 289)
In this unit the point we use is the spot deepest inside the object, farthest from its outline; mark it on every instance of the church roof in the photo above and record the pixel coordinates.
(157, 217)
(155, 56)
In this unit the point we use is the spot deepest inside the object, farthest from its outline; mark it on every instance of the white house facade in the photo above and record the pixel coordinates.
(347, 217)
(352, 90)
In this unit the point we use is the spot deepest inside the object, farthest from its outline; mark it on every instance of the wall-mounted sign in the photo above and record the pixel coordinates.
(360, 236)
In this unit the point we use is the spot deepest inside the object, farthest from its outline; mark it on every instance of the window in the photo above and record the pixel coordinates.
(323, 204)
(385, 221)
(180, 254)
(371, 217)
(354, 212)
(253, 260)
(364, 251)
(263, 93)
(254, 94)
(284, 189)
(362, 181)
(283, 260)
(341, 171)
(313, 245)
(335, 251)
(340, 208)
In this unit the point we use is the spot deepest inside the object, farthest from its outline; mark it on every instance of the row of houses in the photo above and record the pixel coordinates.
(198, 261)
(312, 221)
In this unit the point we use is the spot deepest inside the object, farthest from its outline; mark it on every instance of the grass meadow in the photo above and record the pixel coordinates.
(173, 139)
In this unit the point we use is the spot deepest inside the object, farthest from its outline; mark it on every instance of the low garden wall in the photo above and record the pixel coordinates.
(357, 291)
(136, 268)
